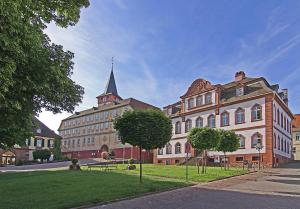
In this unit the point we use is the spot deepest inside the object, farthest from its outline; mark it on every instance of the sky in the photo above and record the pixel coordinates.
(161, 47)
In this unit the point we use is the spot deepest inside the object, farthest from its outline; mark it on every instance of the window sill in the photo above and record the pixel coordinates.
(240, 123)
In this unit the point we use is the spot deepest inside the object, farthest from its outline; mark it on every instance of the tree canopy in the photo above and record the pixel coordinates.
(35, 74)
(146, 128)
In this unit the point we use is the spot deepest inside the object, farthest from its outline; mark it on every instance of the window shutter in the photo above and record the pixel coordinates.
(29, 142)
(35, 142)
(48, 143)
(43, 142)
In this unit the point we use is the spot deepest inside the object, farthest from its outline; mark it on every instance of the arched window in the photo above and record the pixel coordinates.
(256, 140)
(168, 149)
(256, 112)
(242, 142)
(211, 121)
(239, 116)
(190, 103)
(208, 98)
(225, 119)
(199, 100)
(199, 122)
(177, 148)
(178, 127)
(160, 151)
(188, 125)
(274, 141)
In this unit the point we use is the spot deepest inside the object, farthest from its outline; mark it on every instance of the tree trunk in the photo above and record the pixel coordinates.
(205, 160)
(202, 161)
(141, 164)
(224, 161)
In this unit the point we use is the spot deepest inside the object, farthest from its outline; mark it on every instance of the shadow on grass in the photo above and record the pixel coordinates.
(65, 189)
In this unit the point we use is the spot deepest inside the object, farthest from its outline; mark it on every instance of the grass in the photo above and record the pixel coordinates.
(65, 189)
(179, 172)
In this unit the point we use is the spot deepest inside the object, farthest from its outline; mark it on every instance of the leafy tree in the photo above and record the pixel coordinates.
(57, 149)
(34, 73)
(204, 139)
(148, 129)
(229, 142)
(43, 154)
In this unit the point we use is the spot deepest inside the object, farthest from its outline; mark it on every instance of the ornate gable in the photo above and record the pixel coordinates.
(198, 86)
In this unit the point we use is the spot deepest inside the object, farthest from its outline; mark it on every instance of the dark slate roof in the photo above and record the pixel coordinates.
(45, 131)
(111, 85)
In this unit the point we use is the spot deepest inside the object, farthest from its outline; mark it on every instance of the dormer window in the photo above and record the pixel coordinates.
(190, 103)
(240, 91)
(38, 131)
(199, 100)
(208, 98)
(169, 111)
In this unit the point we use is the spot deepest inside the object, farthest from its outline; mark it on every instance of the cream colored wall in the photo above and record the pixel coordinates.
(296, 144)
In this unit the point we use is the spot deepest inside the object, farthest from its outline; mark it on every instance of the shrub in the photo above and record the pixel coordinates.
(131, 167)
(131, 161)
(74, 161)
(74, 167)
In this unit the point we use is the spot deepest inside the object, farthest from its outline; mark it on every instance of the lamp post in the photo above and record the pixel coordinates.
(259, 147)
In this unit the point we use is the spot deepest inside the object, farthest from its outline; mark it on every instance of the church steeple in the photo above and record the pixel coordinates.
(110, 95)
(111, 84)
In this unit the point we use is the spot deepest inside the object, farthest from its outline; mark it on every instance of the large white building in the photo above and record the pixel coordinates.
(254, 109)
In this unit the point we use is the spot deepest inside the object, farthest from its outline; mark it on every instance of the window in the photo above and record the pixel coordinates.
(199, 101)
(242, 142)
(274, 140)
(160, 151)
(240, 91)
(239, 159)
(278, 143)
(282, 145)
(199, 122)
(178, 127)
(211, 121)
(288, 148)
(239, 116)
(208, 98)
(38, 131)
(256, 140)
(256, 113)
(78, 142)
(297, 137)
(177, 148)
(255, 158)
(73, 143)
(93, 140)
(190, 103)
(274, 113)
(284, 123)
(281, 120)
(188, 125)
(168, 149)
(278, 117)
(225, 119)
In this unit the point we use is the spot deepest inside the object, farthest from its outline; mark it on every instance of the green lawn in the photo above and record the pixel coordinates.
(65, 189)
(179, 172)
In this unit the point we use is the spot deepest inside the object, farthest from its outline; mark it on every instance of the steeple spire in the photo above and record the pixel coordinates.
(111, 84)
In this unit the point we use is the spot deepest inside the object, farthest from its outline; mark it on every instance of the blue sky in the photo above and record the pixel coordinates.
(160, 47)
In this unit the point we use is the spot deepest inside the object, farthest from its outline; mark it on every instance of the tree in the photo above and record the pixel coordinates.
(229, 142)
(43, 154)
(57, 148)
(148, 129)
(204, 139)
(34, 73)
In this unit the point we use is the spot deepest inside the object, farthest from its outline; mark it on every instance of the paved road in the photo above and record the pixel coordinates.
(45, 166)
(272, 189)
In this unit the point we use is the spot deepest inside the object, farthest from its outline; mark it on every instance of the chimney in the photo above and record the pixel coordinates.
(285, 97)
(239, 76)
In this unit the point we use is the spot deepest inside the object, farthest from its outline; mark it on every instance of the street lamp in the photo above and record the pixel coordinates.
(259, 147)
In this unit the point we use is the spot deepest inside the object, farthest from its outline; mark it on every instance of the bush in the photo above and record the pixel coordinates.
(43, 154)
(131, 167)
(19, 162)
(74, 161)
(74, 167)
(131, 161)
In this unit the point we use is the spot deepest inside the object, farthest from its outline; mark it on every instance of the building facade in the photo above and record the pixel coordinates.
(90, 133)
(254, 109)
(296, 137)
(43, 139)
